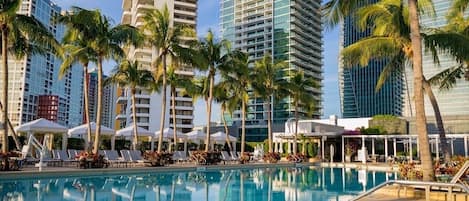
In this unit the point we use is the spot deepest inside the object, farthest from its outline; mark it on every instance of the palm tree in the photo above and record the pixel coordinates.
(20, 35)
(209, 57)
(175, 81)
(128, 74)
(224, 96)
(77, 51)
(390, 39)
(104, 40)
(265, 85)
(299, 87)
(236, 76)
(167, 39)
(337, 10)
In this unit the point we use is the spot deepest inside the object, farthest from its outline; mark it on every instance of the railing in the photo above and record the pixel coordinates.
(427, 185)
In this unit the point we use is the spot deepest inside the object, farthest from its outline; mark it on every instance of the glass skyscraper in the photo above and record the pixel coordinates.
(453, 102)
(36, 76)
(358, 97)
(290, 30)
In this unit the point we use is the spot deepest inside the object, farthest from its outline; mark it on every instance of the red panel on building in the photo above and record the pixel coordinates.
(48, 107)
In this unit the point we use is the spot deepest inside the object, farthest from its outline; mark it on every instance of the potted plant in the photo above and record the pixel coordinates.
(350, 149)
(158, 159)
(90, 160)
(271, 157)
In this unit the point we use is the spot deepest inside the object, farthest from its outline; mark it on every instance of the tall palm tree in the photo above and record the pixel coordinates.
(265, 85)
(77, 51)
(20, 35)
(127, 74)
(104, 40)
(390, 39)
(336, 11)
(175, 81)
(167, 40)
(224, 96)
(298, 86)
(236, 76)
(209, 57)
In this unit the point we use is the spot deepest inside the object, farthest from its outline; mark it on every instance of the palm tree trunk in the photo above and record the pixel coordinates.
(209, 108)
(421, 121)
(295, 138)
(5, 87)
(133, 91)
(100, 105)
(13, 133)
(163, 107)
(227, 138)
(439, 120)
(269, 125)
(173, 101)
(87, 106)
(243, 126)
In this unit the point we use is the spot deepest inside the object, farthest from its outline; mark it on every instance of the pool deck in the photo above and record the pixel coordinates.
(394, 193)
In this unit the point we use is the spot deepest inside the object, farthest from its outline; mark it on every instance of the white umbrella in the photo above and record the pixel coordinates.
(196, 135)
(220, 137)
(41, 126)
(129, 131)
(168, 134)
(82, 130)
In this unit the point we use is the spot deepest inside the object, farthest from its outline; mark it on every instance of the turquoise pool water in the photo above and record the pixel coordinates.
(270, 184)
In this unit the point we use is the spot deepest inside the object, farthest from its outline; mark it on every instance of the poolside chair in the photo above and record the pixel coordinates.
(62, 155)
(136, 156)
(113, 157)
(225, 157)
(72, 153)
(234, 155)
(180, 156)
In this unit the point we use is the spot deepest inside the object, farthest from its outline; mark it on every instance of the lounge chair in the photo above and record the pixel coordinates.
(132, 157)
(72, 153)
(180, 156)
(113, 157)
(136, 156)
(225, 157)
(62, 155)
(234, 155)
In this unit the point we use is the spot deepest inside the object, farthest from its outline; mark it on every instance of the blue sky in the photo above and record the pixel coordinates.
(208, 19)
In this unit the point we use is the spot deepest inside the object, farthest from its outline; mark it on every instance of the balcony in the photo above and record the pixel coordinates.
(184, 117)
(121, 100)
(126, 17)
(121, 117)
(140, 114)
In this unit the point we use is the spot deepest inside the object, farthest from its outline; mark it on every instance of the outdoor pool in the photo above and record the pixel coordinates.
(271, 184)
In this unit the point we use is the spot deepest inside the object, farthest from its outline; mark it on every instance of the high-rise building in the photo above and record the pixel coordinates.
(183, 12)
(290, 30)
(358, 97)
(36, 76)
(451, 102)
(109, 100)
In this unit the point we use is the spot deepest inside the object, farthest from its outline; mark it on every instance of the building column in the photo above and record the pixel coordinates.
(452, 146)
(289, 146)
(410, 149)
(64, 141)
(322, 148)
(437, 148)
(343, 149)
(465, 146)
(373, 147)
(281, 146)
(395, 147)
(386, 149)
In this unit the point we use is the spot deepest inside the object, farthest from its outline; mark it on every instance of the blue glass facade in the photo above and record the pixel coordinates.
(357, 84)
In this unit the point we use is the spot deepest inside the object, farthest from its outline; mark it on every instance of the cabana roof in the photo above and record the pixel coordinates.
(41, 126)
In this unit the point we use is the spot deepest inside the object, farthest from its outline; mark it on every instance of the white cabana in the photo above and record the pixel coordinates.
(129, 131)
(168, 134)
(44, 126)
(82, 130)
(220, 138)
(196, 136)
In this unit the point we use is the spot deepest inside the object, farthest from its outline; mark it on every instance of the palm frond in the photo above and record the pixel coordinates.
(447, 78)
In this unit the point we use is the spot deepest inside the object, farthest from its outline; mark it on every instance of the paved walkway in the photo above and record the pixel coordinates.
(392, 193)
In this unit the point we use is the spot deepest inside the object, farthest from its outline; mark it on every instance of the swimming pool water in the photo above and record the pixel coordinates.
(270, 184)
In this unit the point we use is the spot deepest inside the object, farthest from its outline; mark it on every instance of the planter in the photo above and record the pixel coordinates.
(348, 158)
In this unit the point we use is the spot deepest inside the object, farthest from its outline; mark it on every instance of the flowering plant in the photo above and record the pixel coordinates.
(91, 160)
(158, 159)
(350, 149)
(297, 158)
(271, 157)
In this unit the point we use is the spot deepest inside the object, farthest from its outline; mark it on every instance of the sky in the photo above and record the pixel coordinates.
(208, 18)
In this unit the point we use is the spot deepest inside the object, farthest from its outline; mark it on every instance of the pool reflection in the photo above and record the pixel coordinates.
(271, 184)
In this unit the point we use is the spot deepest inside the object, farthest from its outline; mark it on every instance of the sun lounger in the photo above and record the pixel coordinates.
(132, 157)
(234, 155)
(113, 157)
(226, 157)
(62, 155)
(180, 156)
